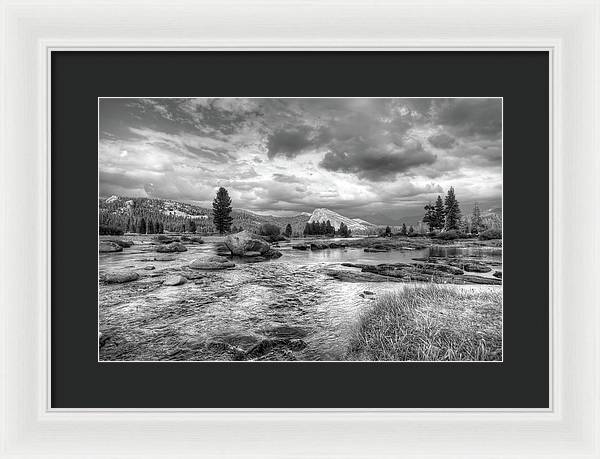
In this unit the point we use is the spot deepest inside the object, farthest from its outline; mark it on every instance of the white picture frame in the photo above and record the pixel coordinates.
(568, 29)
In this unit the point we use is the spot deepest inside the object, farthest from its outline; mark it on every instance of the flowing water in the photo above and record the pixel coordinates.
(291, 297)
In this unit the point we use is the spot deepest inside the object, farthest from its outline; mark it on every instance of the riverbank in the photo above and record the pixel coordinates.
(431, 323)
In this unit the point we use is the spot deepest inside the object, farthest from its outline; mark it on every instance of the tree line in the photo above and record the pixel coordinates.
(445, 215)
(325, 228)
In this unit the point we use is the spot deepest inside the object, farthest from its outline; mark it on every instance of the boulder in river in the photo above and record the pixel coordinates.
(120, 277)
(377, 249)
(211, 262)
(245, 244)
(175, 280)
(122, 242)
(300, 247)
(410, 272)
(272, 254)
(242, 242)
(171, 248)
(163, 239)
(109, 246)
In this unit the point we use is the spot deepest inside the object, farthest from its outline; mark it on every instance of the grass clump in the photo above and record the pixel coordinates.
(431, 323)
(491, 234)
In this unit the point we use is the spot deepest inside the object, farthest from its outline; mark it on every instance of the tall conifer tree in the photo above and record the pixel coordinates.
(440, 213)
(452, 211)
(222, 211)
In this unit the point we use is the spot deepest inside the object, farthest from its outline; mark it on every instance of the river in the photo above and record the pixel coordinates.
(289, 297)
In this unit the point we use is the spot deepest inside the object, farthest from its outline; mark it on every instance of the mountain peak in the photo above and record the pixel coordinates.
(355, 225)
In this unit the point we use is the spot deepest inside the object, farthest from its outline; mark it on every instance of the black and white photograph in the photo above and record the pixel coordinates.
(300, 229)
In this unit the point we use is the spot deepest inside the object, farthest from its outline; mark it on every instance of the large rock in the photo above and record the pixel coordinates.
(476, 268)
(270, 344)
(211, 262)
(108, 246)
(175, 280)
(240, 243)
(122, 242)
(272, 254)
(377, 249)
(161, 238)
(171, 247)
(245, 244)
(120, 277)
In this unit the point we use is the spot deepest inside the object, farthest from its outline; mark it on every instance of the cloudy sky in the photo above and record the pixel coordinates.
(376, 159)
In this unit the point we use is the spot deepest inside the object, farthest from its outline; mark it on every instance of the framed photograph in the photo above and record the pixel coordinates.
(294, 237)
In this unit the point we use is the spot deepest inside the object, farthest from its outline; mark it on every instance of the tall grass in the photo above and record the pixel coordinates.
(432, 323)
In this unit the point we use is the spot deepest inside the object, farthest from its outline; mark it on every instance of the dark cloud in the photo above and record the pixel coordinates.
(470, 117)
(375, 162)
(290, 142)
(442, 140)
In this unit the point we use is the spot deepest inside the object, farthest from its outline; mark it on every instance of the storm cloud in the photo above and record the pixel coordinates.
(362, 157)
(379, 162)
(442, 140)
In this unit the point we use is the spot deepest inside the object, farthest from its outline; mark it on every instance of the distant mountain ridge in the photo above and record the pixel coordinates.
(118, 210)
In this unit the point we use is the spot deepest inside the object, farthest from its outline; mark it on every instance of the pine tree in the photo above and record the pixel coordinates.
(288, 230)
(403, 231)
(150, 227)
(440, 213)
(452, 211)
(388, 231)
(306, 231)
(192, 226)
(463, 225)
(343, 230)
(475, 220)
(222, 210)
(411, 230)
(142, 226)
(328, 228)
(430, 216)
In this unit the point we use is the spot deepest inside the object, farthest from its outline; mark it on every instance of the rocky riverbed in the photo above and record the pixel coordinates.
(183, 298)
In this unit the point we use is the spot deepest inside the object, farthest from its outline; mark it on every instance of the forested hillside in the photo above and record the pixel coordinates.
(145, 215)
